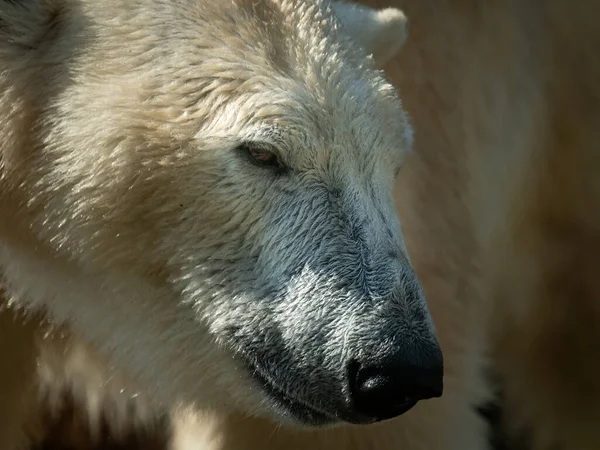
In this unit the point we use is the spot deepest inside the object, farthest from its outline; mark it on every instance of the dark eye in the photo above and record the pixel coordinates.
(261, 156)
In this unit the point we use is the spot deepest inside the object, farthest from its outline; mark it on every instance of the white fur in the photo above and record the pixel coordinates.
(133, 216)
(382, 32)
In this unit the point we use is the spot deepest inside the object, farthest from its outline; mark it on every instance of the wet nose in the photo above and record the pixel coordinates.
(388, 388)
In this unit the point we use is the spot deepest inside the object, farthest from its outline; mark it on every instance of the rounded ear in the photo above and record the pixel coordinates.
(381, 32)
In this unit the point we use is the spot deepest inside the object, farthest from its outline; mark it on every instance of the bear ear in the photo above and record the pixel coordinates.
(381, 32)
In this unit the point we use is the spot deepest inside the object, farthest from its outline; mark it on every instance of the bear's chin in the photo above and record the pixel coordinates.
(287, 410)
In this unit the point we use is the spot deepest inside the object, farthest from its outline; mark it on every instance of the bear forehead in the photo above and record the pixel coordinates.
(232, 42)
(235, 66)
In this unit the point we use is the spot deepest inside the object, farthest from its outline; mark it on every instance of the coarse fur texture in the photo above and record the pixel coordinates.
(135, 214)
(499, 207)
(382, 32)
(499, 202)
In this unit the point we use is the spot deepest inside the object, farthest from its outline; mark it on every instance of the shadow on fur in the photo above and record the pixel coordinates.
(68, 429)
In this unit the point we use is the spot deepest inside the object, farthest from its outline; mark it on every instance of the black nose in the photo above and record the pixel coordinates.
(383, 390)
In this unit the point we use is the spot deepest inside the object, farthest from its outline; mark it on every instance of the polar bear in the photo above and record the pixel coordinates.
(202, 191)
(499, 206)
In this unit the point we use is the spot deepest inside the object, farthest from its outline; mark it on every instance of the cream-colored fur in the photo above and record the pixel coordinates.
(382, 32)
(117, 191)
(49, 368)
(500, 205)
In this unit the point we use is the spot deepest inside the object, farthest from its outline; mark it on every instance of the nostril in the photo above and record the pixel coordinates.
(377, 395)
(382, 392)
(370, 380)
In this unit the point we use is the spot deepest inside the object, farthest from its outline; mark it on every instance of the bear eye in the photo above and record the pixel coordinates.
(261, 156)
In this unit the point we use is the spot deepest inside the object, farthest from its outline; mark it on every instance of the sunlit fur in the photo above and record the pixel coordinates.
(499, 206)
(130, 214)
